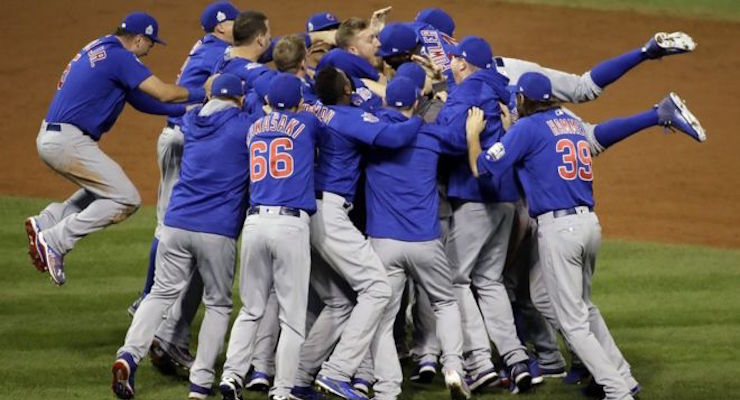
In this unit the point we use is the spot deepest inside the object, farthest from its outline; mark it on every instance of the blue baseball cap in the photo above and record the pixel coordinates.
(476, 51)
(397, 38)
(227, 85)
(535, 86)
(414, 72)
(143, 24)
(285, 91)
(217, 13)
(401, 92)
(321, 22)
(437, 18)
(261, 85)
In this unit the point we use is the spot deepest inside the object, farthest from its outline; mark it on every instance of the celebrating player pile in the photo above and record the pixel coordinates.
(400, 168)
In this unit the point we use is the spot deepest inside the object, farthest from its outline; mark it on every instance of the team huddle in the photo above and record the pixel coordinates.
(372, 170)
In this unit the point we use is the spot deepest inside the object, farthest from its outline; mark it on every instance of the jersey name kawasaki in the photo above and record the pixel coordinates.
(281, 148)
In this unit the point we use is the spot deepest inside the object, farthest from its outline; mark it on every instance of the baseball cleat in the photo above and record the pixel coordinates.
(32, 230)
(135, 305)
(54, 261)
(666, 44)
(124, 369)
(534, 370)
(482, 379)
(576, 375)
(198, 392)
(230, 389)
(521, 378)
(552, 372)
(457, 386)
(258, 382)
(304, 393)
(424, 372)
(673, 114)
(338, 388)
(361, 386)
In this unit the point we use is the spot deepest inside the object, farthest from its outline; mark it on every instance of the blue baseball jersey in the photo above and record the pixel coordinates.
(483, 89)
(282, 145)
(356, 68)
(211, 194)
(401, 185)
(92, 90)
(202, 60)
(437, 46)
(552, 157)
(349, 130)
(245, 69)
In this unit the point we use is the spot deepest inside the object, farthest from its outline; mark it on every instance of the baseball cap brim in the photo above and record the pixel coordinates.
(158, 40)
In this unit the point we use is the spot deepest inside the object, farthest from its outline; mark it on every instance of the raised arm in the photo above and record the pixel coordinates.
(169, 93)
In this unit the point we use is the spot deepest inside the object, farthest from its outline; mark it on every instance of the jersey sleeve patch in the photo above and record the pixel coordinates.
(495, 152)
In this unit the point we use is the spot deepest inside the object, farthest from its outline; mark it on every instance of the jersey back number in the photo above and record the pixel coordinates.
(274, 159)
(576, 160)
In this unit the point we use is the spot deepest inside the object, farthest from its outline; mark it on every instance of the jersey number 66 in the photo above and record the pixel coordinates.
(279, 160)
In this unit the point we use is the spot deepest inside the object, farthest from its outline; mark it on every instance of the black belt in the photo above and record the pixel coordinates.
(290, 211)
(320, 196)
(54, 127)
(567, 211)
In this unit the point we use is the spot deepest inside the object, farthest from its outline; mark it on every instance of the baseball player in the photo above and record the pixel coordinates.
(356, 55)
(171, 347)
(200, 229)
(276, 247)
(251, 40)
(404, 231)
(344, 248)
(319, 22)
(90, 95)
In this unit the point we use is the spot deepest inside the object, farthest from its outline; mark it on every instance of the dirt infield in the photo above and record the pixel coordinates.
(651, 187)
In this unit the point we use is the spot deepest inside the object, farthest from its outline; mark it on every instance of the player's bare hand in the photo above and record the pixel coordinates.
(328, 37)
(476, 123)
(377, 21)
(433, 70)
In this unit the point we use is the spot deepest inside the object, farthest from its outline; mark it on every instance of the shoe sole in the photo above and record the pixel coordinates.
(555, 375)
(326, 389)
(676, 41)
(483, 382)
(120, 384)
(59, 281)
(536, 380)
(258, 385)
(33, 251)
(522, 383)
(689, 117)
(457, 391)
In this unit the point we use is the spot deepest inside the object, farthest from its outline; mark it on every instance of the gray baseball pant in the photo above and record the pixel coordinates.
(567, 250)
(427, 263)
(476, 247)
(339, 300)
(107, 195)
(179, 253)
(275, 253)
(349, 253)
(533, 325)
(263, 357)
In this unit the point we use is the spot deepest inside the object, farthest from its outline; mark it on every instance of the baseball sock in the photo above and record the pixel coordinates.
(614, 130)
(150, 272)
(610, 70)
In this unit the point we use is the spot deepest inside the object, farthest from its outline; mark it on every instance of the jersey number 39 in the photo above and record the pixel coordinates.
(576, 160)
(277, 161)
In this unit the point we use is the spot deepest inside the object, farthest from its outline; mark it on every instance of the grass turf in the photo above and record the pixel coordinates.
(674, 311)
(706, 9)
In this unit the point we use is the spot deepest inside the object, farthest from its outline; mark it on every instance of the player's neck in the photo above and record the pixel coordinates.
(250, 52)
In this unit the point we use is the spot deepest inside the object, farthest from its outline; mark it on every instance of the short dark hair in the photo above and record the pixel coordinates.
(289, 53)
(329, 85)
(123, 33)
(349, 29)
(528, 107)
(248, 25)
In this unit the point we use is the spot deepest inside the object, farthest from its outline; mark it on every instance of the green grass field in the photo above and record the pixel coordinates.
(674, 311)
(708, 9)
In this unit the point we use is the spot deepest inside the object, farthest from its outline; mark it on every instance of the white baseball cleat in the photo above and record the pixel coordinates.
(674, 115)
(459, 390)
(666, 44)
